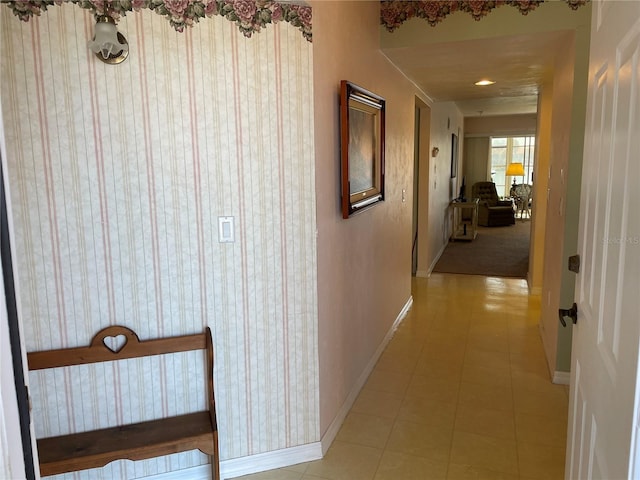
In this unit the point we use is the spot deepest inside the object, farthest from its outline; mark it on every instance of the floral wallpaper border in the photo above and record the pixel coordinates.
(249, 15)
(394, 13)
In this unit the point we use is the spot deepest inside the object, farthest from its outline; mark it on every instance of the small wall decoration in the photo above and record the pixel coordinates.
(361, 148)
(454, 155)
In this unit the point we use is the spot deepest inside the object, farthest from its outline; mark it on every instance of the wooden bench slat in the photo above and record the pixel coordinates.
(99, 352)
(138, 441)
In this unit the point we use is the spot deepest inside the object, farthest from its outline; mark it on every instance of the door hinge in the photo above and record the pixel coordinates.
(574, 263)
(29, 403)
(29, 398)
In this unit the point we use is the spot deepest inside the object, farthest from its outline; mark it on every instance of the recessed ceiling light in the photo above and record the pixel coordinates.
(482, 83)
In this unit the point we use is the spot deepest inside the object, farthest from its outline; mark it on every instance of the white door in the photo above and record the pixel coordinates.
(604, 375)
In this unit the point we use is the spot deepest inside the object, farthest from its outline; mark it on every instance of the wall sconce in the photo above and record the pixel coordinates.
(109, 44)
(435, 151)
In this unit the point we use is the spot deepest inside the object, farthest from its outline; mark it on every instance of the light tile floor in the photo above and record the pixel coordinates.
(461, 392)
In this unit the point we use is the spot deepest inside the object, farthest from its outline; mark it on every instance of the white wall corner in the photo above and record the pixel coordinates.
(423, 274)
(537, 291)
(561, 378)
(333, 429)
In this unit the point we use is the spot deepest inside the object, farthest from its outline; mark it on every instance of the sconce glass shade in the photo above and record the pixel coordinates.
(109, 45)
(515, 169)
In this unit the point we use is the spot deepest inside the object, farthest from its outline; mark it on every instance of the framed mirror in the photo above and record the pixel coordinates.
(454, 155)
(361, 148)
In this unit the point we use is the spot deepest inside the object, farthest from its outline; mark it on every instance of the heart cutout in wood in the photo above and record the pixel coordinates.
(115, 343)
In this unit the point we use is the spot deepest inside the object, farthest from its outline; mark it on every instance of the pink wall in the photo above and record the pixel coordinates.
(541, 182)
(557, 197)
(446, 119)
(364, 263)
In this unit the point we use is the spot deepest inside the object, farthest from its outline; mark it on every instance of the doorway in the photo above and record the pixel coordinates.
(421, 164)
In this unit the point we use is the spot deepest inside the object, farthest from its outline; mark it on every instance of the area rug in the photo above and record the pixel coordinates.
(496, 252)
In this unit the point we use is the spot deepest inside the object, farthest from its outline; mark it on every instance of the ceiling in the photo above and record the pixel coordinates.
(517, 63)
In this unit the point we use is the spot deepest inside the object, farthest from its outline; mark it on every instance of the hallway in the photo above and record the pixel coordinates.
(461, 392)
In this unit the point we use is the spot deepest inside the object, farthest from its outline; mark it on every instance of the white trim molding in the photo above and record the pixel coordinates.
(333, 429)
(561, 378)
(261, 462)
(533, 290)
(435, 260)
(201, 472)
(237, 467)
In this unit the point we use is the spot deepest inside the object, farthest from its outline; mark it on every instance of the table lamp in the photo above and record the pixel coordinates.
(515, 170)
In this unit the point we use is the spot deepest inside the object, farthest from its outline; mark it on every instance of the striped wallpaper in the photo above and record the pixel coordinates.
(118, 175)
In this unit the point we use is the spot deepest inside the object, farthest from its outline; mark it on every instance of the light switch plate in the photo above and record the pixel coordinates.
(225, 230)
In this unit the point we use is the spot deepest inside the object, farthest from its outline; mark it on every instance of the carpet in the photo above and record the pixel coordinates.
(496, 252)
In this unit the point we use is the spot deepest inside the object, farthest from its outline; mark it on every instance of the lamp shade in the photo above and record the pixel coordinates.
(106, 42)
(515, 169)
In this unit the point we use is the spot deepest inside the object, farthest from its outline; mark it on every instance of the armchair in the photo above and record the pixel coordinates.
(492, 212)
(521, 193)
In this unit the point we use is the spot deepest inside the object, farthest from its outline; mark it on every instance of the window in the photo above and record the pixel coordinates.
(506, 150)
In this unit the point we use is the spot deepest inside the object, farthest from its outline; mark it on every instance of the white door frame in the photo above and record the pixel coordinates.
(13, 464)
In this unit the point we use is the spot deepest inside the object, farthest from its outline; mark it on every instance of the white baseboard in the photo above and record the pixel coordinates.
(237, 467)
(399, 318)
(332, 431)
(261, 462)
(537, 291)
(435, 260)
(201, 472)
(422, 274)
(561, 378)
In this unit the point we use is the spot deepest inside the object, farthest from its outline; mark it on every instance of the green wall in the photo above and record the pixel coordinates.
(574, 178)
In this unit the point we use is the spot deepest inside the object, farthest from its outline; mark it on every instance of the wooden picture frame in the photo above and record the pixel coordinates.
(362, 116)
(454, 155)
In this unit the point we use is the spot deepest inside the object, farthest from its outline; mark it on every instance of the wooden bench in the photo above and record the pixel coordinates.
(139, 441)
